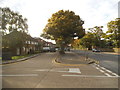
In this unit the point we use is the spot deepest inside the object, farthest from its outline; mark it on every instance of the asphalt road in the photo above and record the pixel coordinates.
(107, 60)
(43, 72)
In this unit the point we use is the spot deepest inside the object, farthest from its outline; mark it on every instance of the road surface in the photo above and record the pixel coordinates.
(107, 60)
(43, 72)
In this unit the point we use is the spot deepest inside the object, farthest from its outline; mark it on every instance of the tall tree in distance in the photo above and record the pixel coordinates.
(88, 41)
(62, 27)
(98, 34)
(93, 38)
(14, 29)
(113, 33)
(12, 21)
(97, 31)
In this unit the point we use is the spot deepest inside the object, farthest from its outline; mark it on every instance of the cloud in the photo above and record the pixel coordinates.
(93, 12)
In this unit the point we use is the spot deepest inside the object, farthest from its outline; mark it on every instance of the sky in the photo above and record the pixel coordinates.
(92, 12)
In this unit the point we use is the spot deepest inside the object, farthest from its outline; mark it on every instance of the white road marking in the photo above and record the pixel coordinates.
(102, 71)
(42, 70)
(74, 70)
(67, 70)
(115, 74)
(109, 71)
(96, 66)
(89, 76)
(62, 71)
(107, 74)
(19, 75)
(103, 68)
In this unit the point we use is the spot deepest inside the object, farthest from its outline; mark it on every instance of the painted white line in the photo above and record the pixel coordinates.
(19, 75)
(109, 71)
(97, 68)
(98, 65)
(43, 70)
(102, 71)
(115, 74)
(74, 70)
(62, 71)
(68, 70)
(89, 76)
(103, 68)
(72, 75)
(107, 74)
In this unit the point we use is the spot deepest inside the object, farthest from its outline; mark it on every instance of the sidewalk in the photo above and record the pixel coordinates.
(72, 58)
(17, 60)
(114, 53)
(111, 53)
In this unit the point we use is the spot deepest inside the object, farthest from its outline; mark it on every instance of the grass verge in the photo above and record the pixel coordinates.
(20, 57)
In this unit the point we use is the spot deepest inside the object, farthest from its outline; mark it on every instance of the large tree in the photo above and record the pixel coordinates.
(97, 32)
(12, 21)
(76, 44)
(88, 41)
(62, 27)
(93, 38)
(14, 29)
(113, 33)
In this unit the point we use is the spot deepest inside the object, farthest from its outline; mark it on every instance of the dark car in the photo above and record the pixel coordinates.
(52, 50)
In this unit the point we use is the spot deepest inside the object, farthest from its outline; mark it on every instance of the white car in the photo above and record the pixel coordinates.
(95, 50)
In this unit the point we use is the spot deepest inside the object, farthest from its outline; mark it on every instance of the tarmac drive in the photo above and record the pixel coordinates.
(43, 72)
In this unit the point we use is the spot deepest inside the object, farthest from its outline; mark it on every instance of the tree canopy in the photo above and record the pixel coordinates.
(88, 40)
(13, 39)
(12, 21)
(93, 37)
(113, 33)
(14, 29)
(63, 26)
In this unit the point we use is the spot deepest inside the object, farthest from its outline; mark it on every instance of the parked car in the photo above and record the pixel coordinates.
(95, 50)
(56, 49)
(52, 49)
(67, 49)
(46, 49)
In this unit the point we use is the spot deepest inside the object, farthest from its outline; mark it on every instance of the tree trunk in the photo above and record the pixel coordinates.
(62, 47)
(21, 53)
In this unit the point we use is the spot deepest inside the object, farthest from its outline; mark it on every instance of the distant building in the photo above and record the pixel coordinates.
(19, 43)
